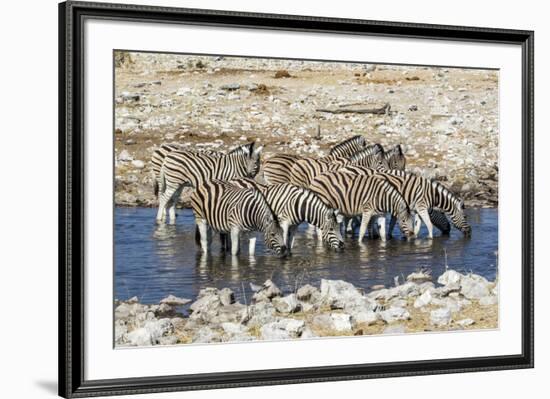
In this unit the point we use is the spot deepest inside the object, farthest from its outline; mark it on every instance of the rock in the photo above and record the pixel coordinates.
(164, 310)
(233, 328)
(206, 335)
(307, 333)
(337, 293)
(123, 311)
(413, 108)
(231, 87)
(227, 296)
(367, 317)
(305, 292)
(340, 322)
(159, 328)
(395, 329)
(125, 156)
(440, 317)
(184, 91)
(474, 287)
(138, 164)
(133, 300)
(465, 322)
(169, 340)
(282, 329)
(395, 314)
(140, 337)
(450, 277)
(268, 291)
(282, 73)
(120, 332)
(286, 304)
(423, 299)
(178, 323)
(488, 300)
(419, 277)
(172, 300)
(259, 314)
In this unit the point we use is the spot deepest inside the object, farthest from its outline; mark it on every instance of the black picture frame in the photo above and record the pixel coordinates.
(71, 199)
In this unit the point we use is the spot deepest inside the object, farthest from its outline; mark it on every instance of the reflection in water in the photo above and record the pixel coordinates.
(153, 261)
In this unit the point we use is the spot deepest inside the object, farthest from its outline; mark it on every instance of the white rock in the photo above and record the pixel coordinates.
(125, 156)
(286, 304)
(140, 337)
(175, 301)
(282, 329)
(336, 293)
(474, 287)
(340, 322)
(440, 317)
(465, 322)
(450, 277)
(138, 164)
(368, 317)
(488, 300)
(394, 314)
(423, 299)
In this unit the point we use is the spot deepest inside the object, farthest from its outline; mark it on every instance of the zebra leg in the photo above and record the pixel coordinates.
(371, 228)
(164, 200)
(291, 235)
(173, 203)
(350, 225)
(364, 223)
(285, 226)
(417, 224)
(393, 220)
(425, 216)
(235, 241)
(252, 246)
(204, 232)
(381, 224)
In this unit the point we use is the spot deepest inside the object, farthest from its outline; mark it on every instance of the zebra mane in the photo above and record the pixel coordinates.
(357, 138)
(445, 192)
(246, 149)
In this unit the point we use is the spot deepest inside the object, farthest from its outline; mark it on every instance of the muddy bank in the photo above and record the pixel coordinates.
(336, 308)
(445, 118)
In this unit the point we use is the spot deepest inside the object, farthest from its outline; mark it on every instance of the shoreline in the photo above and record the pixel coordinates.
(335, 308)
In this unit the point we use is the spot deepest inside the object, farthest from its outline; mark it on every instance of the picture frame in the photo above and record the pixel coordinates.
(72, 204)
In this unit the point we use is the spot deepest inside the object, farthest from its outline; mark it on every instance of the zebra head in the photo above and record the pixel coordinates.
(330, 231)
(273, 238)
(253, 160)
(395, 158)
(458, 218)
(406, 221)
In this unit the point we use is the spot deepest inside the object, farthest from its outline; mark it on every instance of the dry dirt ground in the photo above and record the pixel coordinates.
(446, 119)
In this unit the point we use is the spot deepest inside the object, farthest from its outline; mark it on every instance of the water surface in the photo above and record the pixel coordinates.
(153, 261)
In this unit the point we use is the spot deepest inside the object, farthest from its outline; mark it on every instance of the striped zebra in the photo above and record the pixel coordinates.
(424, 195)
(304, 171)
(295, 205)
(157, 159)
(226, 208)
(395, 159)
(437, 217)
(348, 147)
(367, 196)
(189, 169)
(277, 169)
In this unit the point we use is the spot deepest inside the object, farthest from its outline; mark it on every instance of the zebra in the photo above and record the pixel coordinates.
(429, 198)
(189, 169)
(294, 205)
(277, 169)
(395, 159)
(348, 147)
(305, 170)
(437, 217)
(157, 159)
(226, 208)
(363, 195)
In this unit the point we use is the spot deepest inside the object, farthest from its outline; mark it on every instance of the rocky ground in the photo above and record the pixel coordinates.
(336, 308)
(446, 119)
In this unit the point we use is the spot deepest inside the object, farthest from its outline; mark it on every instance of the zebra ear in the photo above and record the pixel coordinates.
(258, 150)
(399, 149)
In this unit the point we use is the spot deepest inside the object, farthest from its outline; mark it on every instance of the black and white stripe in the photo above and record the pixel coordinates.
(190, 169)
(395, 158)
(354, 195)
(304, 171)
(295, 205)
(226, 208)
(277, 168)
(348, 147)
(427, 197)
